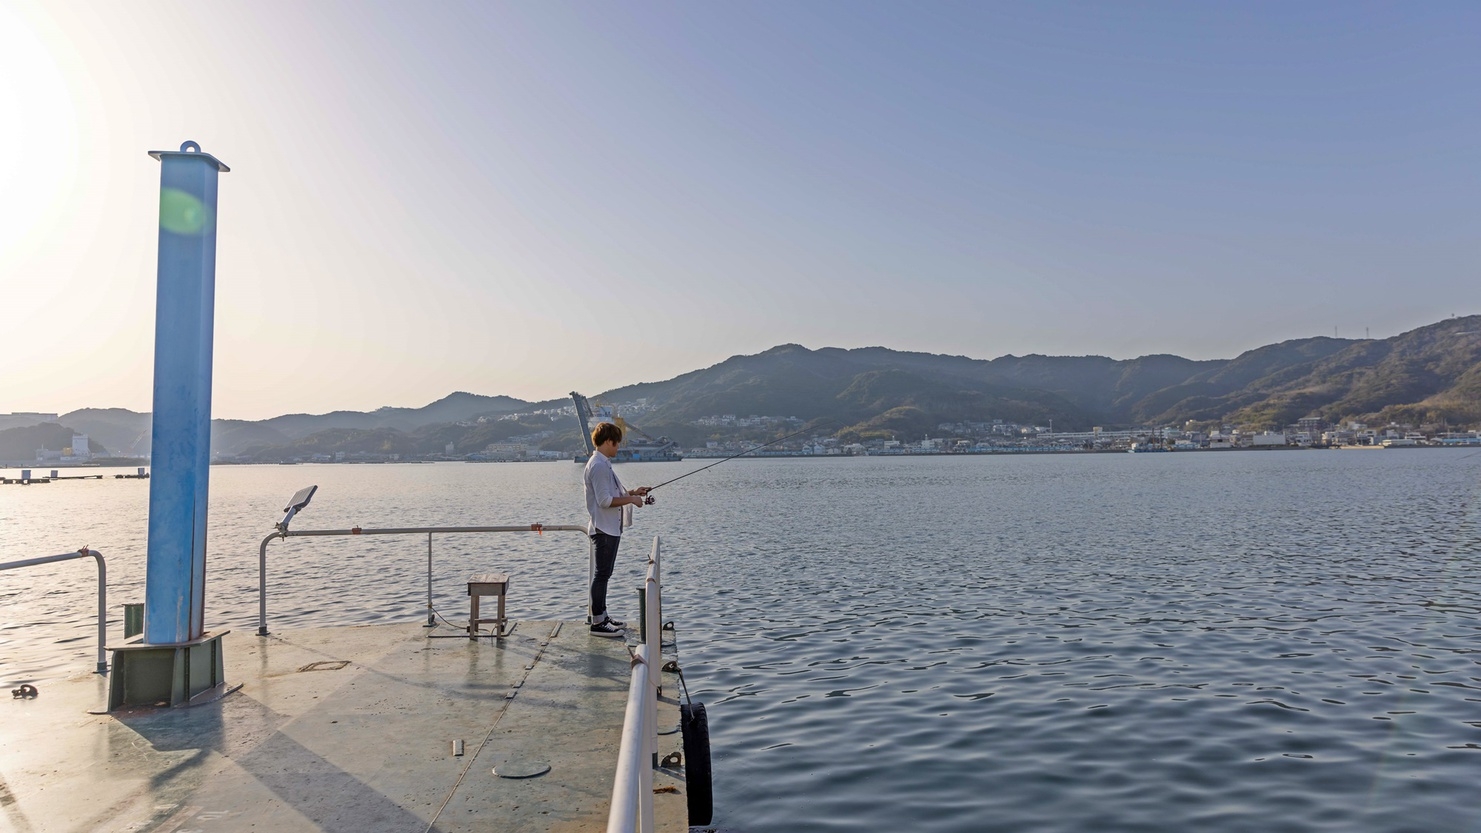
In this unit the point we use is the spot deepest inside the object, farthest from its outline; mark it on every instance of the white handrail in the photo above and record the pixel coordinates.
(102, 590)
(628, 784)
(632, 787)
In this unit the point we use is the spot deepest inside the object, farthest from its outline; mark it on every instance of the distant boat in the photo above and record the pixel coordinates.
(642, 450)
(1143, 448)
(661, 450)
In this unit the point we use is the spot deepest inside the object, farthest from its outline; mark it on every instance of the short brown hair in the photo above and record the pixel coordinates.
(606, 431)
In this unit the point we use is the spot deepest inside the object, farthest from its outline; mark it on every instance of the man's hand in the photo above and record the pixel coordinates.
(640, 491)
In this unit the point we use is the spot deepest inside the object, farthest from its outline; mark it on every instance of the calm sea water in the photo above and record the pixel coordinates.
(1214, 642)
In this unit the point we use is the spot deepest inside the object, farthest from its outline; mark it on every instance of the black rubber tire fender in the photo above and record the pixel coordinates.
(696, 727)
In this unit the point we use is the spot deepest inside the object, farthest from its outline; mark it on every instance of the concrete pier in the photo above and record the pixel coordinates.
(345, 729)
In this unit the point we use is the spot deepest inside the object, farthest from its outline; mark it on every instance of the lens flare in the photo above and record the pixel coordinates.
(182, 213)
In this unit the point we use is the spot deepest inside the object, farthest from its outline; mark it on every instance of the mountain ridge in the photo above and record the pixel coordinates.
(1429, 374)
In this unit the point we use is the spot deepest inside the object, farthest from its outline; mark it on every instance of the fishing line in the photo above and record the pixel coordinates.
(649, 500)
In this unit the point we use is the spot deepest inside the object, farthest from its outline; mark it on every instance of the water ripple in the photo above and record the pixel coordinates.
(1221, 642)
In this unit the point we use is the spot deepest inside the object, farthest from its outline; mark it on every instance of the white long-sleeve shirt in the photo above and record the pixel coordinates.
(603, 487)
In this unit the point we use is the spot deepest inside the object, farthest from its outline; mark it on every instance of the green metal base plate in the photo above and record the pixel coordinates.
(176, 674)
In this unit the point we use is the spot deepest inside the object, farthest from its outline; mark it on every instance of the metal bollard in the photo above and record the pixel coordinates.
(133, 620)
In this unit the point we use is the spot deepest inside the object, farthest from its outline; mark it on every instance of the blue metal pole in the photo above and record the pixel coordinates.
(175, 577)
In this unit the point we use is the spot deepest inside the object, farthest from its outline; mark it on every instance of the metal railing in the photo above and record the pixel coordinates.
(102, 590)
(632, 788)
(429, 531)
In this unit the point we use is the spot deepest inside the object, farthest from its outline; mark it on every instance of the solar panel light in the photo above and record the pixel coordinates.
(296, 504)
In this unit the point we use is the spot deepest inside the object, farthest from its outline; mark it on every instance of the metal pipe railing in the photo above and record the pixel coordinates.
(627, 789)
(632, 787)
(429, 531)
(102, 590)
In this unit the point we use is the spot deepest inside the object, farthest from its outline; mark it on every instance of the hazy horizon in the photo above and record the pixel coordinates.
(565, 396)
(526, 199)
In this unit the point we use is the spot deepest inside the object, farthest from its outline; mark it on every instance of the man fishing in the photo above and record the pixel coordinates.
(605, 502)
(605, 499)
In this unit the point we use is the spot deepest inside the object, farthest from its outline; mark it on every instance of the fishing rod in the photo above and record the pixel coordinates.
(648, 499)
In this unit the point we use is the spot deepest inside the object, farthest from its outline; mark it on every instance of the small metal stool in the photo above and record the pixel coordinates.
(486, 584)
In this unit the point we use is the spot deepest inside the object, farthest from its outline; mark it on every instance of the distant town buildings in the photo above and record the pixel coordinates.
(80, 451)
(752, 421)
(999, 436)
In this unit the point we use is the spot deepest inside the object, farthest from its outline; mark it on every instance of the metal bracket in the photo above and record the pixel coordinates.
(176, 674)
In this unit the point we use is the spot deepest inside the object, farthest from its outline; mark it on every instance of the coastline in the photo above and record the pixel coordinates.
(130, 462)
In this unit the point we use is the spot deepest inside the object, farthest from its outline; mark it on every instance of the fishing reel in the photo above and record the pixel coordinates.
(648, 500)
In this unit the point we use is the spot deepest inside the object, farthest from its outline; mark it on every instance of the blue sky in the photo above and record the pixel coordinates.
(531, 198)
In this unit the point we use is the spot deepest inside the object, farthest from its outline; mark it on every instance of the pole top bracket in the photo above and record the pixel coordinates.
(190, 149)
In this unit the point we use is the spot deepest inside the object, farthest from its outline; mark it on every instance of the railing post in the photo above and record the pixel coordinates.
(653, 648)
(658, 589)
(262, 583)
(102, 608)
(431, 622)
(591, 574)
(652, 657)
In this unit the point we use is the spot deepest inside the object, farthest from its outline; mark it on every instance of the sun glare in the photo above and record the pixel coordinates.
(38, 142)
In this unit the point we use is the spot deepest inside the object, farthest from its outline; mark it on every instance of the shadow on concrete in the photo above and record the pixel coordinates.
(247, 733)
(334, 800)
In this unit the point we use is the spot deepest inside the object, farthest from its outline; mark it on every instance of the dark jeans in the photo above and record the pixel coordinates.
(606, 558)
